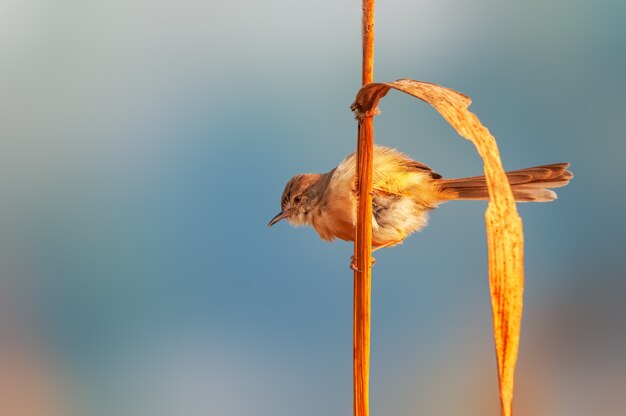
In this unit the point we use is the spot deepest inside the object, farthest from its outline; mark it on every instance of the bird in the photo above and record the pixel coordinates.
(404, 191)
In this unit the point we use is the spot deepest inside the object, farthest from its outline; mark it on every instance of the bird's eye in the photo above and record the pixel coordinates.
(297, 199)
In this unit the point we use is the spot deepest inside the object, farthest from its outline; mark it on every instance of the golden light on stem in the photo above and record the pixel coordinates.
(504, 227)
(363, 237)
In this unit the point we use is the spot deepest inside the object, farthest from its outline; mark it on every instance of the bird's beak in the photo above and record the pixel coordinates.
(281, 216)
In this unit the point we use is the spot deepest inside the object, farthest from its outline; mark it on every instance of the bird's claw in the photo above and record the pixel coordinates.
(353, 263)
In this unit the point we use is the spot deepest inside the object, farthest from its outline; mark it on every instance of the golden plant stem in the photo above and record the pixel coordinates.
(363, 277)
(363, 237)
(505, 240)
(367, 69)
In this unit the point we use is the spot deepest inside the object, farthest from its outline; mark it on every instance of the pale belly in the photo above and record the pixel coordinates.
(394, 218)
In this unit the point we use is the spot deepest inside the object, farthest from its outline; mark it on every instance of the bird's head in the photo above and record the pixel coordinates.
(298, 199)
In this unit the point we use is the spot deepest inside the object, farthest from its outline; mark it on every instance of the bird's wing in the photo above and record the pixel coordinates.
(419, 166)
(397, 174)
(394, 173)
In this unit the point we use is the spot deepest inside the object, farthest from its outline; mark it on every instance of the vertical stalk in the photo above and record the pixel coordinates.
(363, 237)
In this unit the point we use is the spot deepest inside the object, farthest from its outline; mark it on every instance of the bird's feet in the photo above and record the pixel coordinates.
(353, 263)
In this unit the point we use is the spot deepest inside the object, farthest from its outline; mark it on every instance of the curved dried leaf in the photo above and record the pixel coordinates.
(504, 226)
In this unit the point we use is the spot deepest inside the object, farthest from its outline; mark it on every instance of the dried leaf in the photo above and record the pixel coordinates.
(504, 226)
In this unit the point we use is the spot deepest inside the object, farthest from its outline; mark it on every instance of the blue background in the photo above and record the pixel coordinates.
(145, 146)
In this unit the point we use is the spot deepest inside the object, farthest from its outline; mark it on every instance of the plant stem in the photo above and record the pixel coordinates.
(363, 237)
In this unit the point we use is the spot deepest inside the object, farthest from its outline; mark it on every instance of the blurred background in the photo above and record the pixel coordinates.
(145, 145)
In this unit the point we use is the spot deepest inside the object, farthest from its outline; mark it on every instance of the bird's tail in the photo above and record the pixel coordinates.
(529, 185)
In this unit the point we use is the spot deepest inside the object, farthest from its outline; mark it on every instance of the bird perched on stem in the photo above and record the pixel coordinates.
(404, 191)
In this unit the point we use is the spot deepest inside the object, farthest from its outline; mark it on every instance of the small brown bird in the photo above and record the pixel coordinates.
(404, 191)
